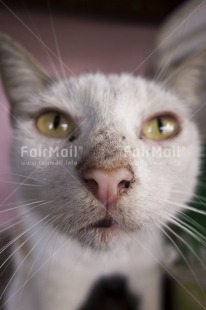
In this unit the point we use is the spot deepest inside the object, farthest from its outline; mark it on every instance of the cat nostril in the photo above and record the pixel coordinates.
(127, 184)
(124, 184)
(91, 184)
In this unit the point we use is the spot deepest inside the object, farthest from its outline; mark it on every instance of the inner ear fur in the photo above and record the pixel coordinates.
(187, 78)
(21, 74)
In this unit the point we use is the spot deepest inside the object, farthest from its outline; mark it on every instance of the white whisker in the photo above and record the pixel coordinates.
(17, 269)
(21, 206)
(185, 207)
(30, 30)
(182, 255)
(186, 244)
(5, 247)
(189, 229)
(17, 183)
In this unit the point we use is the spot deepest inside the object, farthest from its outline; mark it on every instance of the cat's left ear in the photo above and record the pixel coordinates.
(187, 78)
(21, 75)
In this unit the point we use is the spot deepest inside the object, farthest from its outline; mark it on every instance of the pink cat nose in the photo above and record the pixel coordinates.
(107, 186)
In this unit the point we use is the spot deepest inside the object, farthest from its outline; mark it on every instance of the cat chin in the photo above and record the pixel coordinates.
(105, 238)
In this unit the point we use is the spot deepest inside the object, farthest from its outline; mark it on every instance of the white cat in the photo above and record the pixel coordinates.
(106, 158)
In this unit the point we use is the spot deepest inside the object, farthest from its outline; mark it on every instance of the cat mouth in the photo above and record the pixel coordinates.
(106, 222)
(103, 231)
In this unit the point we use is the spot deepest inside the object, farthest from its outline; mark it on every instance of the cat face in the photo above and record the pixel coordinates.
(107, 139)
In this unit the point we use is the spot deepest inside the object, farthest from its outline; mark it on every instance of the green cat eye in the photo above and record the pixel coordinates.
(161, 127)
(55, 124)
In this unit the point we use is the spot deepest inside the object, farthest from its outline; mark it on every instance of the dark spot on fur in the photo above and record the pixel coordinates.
(111, 293)
(72, 138)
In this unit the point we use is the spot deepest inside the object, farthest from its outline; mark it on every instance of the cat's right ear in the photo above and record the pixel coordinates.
(187, 78)
(21, 75)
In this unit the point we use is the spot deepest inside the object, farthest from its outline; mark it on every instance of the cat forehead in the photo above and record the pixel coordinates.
(110, 94)
(99, 86)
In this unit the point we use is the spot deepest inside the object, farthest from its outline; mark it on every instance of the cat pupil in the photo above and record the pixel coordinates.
(160, 125)
(56, 122)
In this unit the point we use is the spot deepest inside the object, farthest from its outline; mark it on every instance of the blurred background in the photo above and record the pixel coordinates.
(135, 11)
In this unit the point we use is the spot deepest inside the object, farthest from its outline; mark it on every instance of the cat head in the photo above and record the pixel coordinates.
(106, 156)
